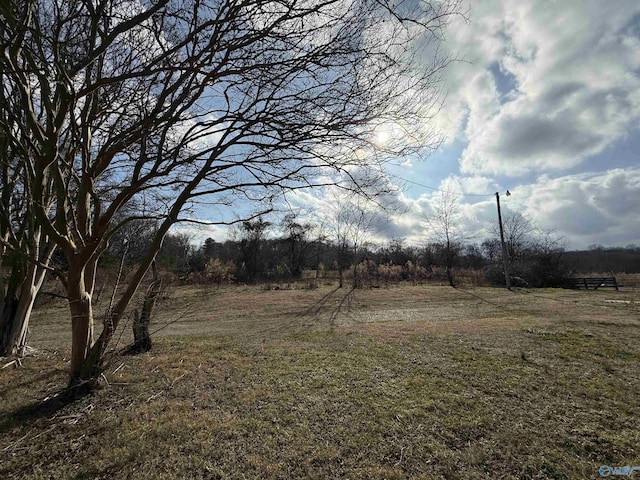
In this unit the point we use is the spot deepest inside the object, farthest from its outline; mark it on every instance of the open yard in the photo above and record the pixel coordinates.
(401, 382)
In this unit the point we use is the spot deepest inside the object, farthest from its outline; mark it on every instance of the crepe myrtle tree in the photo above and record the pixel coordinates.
(170, 103)
(25, 250)
(25, 255)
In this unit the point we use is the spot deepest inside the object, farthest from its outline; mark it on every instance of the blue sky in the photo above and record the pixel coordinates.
(545, 104)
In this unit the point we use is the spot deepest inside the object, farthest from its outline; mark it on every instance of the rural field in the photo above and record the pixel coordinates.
(408, 381)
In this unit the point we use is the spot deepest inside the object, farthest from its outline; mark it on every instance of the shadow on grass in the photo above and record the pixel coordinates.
(26, 383)
(318, 307)
(47, 408)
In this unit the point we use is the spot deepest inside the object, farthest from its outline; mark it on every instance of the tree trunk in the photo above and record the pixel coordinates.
(355, 274)
(8, 310)
(141, 336)
(16, 308)
(82, 324)
(9, 307)
(450, 278)
(24, 284)
(355, 267)
(88, 371)
(28, 292)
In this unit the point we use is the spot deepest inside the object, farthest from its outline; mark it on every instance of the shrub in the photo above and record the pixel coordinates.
(218, 272)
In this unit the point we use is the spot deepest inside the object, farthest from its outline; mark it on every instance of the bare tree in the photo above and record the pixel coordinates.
(349, 220)
(518, 233)
(172, 102)
(535, 255)
(445, 225)
(320, 235)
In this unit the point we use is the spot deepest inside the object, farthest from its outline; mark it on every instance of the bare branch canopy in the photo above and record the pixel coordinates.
(162, 104)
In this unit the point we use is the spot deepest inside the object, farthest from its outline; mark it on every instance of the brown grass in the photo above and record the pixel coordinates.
(411, 382)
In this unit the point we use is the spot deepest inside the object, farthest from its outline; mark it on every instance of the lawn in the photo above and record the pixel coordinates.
(402, 382)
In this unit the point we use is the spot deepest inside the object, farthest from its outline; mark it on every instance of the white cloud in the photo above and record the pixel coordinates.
(198, 233)
(584, 209)
(575, 66)
(588, 208)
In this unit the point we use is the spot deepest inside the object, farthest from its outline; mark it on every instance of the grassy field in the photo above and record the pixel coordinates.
(405, 382)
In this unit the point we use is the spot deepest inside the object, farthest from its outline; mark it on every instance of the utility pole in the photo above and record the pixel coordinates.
(504, 247)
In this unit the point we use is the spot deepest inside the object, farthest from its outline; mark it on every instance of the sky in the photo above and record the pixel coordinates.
(544, 101)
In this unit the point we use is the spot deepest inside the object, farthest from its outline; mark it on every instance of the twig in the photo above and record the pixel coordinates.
(45, 432)
(110, 307)
(156, 395)
(15, 362)
(122, 330)
(117, 284)
(52, 294)
(401, 454)
(173, 382)
(16, 443)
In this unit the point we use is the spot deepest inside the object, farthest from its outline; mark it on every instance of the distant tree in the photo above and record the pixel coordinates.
(296, 237)
(398, 254)
(518, 233)
(534, 255)
(472, 256)
(252, 235)
(133, 239)
(319, 247)
(175, 252)
(209, 248)
(491, 249)
(603, 260)
(349, 220)
(446, 227)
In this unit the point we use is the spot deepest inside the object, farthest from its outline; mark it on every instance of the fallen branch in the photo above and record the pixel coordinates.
(15, 362)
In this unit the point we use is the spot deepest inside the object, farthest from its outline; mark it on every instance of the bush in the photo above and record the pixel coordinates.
(539, 270)
(215, 271)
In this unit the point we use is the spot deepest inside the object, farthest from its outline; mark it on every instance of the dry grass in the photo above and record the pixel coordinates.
(412, 382)
(628, 280)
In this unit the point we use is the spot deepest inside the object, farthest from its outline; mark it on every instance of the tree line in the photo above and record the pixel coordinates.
(260, 250)
(263, 251)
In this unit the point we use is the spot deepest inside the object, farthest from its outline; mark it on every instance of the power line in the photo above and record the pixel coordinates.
(440, 190)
